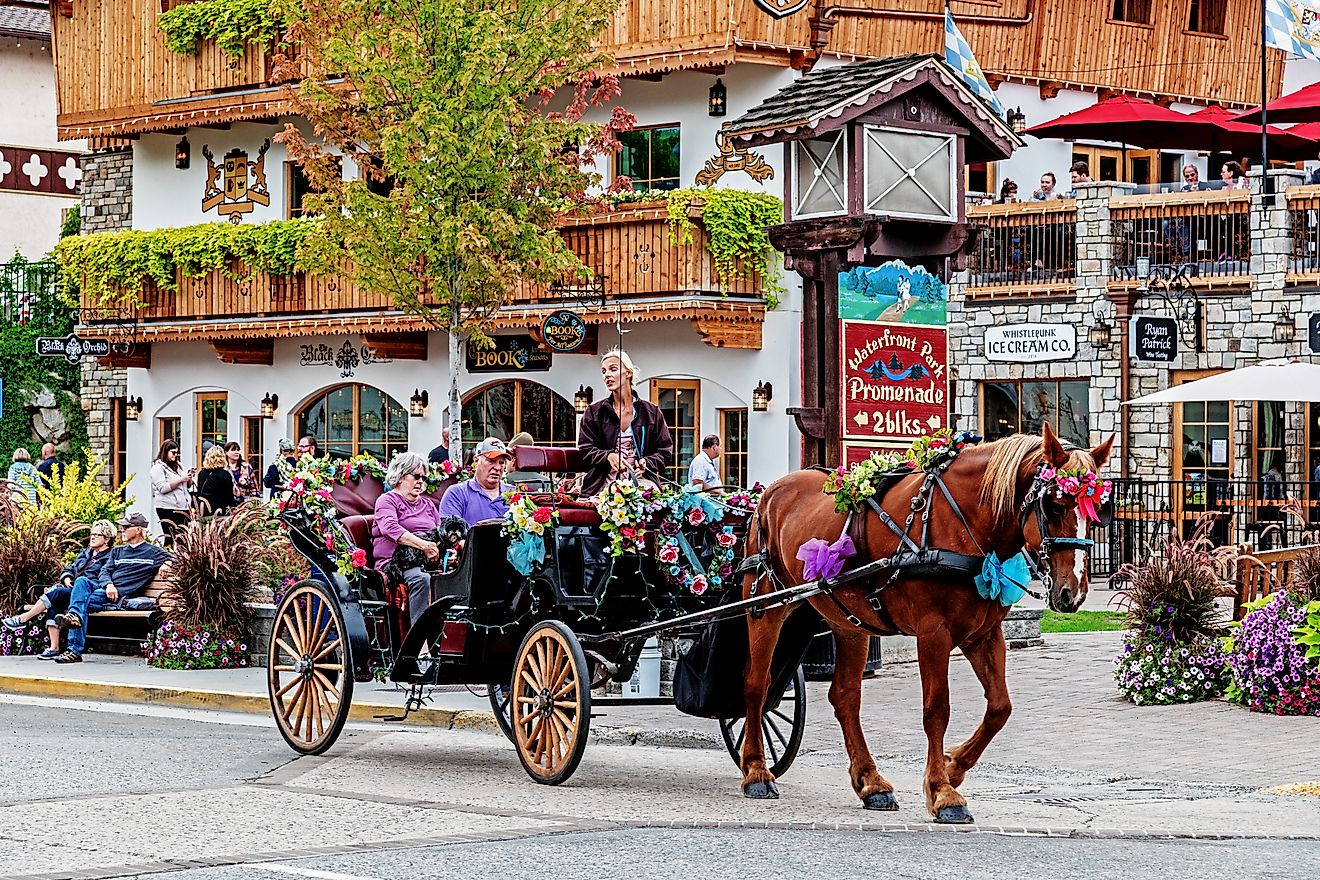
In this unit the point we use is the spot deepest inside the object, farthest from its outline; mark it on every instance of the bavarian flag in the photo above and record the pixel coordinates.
(1293, 26)
(958, 55)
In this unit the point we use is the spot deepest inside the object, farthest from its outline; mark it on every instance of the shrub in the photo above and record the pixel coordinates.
(1160, 672)
(33, 549)
(1269, 666)
(78, 496)
(1171, 596)
(220, 564)
(175, 646)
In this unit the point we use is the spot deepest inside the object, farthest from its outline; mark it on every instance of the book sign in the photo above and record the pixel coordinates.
(511, 354)
(1154, 340)
(895, 385)
(564, 331)
(71, 348)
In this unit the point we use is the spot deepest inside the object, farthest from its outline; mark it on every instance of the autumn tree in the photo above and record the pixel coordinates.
(466, 118)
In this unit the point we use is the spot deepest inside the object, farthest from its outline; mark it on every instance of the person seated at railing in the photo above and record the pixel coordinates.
(1008, 192)
(1272, 481)
(1080, 173)
(1047, 191)
(1192, 180)
(1231, 174)
(402, 516)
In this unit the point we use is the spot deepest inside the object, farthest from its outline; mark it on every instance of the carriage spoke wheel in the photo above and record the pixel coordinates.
(500, 705)
(308, 673)
(781, 728)
(551, 702)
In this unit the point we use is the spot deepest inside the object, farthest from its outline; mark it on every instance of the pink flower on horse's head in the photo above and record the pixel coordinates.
(1047, 474)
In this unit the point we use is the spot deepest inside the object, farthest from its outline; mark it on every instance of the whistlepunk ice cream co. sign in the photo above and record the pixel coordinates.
(895, 381)
(1031, 343)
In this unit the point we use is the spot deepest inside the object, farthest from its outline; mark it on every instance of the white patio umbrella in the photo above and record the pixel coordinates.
(1269, 380)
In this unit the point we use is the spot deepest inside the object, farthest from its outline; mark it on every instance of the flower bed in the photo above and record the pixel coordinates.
(1153, 671)
(1267, 655)
(178, 647)
(31, 639)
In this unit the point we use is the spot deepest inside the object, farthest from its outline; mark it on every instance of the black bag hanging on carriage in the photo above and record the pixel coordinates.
(708, 679)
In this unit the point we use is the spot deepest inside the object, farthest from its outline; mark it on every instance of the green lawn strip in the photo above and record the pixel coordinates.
(1081, 621)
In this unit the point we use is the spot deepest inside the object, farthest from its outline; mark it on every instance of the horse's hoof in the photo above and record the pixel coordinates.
(880, 800)
(953, 816)
(762, 791)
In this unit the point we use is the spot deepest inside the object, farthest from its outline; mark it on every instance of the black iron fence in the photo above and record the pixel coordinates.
(1234, 512)
(27, 292)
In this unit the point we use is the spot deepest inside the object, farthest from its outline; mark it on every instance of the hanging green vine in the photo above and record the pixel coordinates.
(736, 223)
(114, 266)
(230, 24)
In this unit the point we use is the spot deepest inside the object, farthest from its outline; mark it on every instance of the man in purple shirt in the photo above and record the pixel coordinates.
(482, 497)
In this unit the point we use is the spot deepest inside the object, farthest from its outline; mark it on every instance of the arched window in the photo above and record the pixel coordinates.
(355, 419)
(506, 408)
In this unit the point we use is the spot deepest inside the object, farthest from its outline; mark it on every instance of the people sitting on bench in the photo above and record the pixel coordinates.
(401, 517)
(55, 600)
(482, 497)
(131, 568)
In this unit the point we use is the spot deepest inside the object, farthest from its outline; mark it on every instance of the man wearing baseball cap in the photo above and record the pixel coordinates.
(482, 497)
(131, 567)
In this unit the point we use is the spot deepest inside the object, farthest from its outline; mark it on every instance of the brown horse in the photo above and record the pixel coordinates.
(1004, 508)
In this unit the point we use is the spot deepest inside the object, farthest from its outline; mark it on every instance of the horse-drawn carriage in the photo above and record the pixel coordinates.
(540, 642)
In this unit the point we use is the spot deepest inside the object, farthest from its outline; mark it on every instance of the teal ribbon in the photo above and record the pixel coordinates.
(1003, 581)
(526, 553)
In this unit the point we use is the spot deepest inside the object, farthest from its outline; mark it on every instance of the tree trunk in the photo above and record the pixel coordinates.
(455, 407)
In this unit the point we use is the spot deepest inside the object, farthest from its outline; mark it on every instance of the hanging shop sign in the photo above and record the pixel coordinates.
(564, 331)
(895, 381)
(1031, 343)
(71, 348)
(1313, 332)
(511, 354)
(1154, 340)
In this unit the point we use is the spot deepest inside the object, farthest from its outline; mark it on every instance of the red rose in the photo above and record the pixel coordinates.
(515, 498)
(724, 539)
(359, 558)
(542, 515)
(695, 516)
(628, 532)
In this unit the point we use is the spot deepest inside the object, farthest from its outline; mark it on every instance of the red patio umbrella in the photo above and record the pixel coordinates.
(1243, 138)
(1302, 105)
(1121, 118)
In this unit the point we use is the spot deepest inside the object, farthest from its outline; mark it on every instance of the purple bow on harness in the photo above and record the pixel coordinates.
(821, 560)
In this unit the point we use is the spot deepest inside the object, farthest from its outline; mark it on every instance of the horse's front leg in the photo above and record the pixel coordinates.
(942, 799)
(987, 656)
(850, 650)
(762, 636)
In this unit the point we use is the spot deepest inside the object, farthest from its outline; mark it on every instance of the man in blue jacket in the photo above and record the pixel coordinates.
(132, 566)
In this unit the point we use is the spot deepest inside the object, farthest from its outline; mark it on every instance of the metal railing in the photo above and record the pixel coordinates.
(1024, 247)
(1304, 226)
(1208, 231)
(1235, 512)
(28, 294)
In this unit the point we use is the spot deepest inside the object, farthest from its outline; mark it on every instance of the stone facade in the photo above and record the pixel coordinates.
(1238, 330)
(107, 206)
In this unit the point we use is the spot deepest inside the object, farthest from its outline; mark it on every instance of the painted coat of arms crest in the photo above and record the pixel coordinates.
(236, 186)
(781, 8)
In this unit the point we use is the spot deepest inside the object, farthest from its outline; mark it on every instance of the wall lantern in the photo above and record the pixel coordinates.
(132, 408)
(1101, 333)
(582, 399)
(1285, 328)
(182, 154)
(418, 404)
(1017, 120)
(761, 396)
(718, 103)
(269, 404)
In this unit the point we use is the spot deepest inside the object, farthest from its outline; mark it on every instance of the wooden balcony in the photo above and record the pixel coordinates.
(645, 277)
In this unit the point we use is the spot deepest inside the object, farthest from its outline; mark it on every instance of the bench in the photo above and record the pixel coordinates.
(126, 627)
(1261, 573)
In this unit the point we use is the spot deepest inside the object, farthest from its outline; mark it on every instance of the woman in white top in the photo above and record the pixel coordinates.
(169, 489)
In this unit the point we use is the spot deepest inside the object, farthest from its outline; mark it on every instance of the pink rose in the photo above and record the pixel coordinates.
(359, 558)
(669, 554)
(696, 517)
(726, 539)
(699, 585)
(297, 485)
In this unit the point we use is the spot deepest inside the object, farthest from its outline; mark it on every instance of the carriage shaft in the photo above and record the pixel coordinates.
(777, 599)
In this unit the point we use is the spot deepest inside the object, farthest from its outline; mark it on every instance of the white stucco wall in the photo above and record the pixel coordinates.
(29, 222)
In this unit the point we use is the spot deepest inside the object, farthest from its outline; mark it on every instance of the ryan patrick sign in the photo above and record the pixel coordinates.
(895, 381)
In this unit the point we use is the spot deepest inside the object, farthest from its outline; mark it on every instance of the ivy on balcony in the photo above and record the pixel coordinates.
(230, 24)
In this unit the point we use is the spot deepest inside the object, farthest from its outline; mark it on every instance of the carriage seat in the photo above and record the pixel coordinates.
(549, 459)
(359, 499)
(359, 529)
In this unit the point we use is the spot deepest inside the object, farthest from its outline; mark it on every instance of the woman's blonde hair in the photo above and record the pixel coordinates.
(624, 361)
(21, 454)
(215, 457)
(105, 529)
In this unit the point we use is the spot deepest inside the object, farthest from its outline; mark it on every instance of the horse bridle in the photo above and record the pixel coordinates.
(1038, 557)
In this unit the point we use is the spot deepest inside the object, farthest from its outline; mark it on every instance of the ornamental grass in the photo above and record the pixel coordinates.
(33, 550)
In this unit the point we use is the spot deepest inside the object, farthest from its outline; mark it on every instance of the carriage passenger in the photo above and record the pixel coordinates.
(482, 497)
(402, 515)
(622, 435)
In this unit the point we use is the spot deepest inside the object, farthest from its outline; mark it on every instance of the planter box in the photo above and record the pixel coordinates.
(1022, 627)
(258, 634)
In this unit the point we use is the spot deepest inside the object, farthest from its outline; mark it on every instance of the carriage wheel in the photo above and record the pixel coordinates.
(781, 728)
(499, 704)
(308, 673)
(551, 702)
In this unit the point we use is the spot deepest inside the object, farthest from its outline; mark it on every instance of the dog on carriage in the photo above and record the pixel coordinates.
(449, 538)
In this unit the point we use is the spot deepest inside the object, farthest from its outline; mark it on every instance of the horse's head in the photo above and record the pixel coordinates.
(1064, 496)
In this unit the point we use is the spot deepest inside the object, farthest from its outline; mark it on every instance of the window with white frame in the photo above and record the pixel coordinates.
(911, 173)
(820, 176)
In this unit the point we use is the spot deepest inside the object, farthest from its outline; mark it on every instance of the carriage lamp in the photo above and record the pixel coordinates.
(182, 154)
(132, 408)
(761, 396)
(269, 404)
(582, 399)
(417, 405)
(1017, 120)
(717, 104)
(1285, 328)
(1101, 333)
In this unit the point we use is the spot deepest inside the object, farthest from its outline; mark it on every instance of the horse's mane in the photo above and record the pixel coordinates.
(1008, 457)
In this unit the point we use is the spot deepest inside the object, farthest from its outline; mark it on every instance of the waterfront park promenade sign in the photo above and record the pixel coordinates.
(894, 353)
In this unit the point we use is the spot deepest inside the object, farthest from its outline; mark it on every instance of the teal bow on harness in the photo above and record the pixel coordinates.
(1003, 581)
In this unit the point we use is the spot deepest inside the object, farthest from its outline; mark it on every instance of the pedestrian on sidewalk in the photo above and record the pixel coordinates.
(169, 490)
(55, 600)
(24, 476)
(132, 566)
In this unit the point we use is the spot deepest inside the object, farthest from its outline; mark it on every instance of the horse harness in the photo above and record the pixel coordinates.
(918, 559)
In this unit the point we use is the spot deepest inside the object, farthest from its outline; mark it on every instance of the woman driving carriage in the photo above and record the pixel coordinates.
(401, 516)
(622, 435)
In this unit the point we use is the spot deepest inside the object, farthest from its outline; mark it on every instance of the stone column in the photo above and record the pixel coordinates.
(107, 206)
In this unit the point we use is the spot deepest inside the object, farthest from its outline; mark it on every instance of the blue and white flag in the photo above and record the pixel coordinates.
(958, 55)
(1293, 26)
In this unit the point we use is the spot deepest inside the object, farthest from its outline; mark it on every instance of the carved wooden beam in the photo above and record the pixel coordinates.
(1050, 89)
(397, 346)
(139, 355)
(1106, 94)
(810, 420)
(729, 334)
(995, 80)
(260, 352)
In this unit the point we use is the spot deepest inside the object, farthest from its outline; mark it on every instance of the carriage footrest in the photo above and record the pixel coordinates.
(414, 703)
